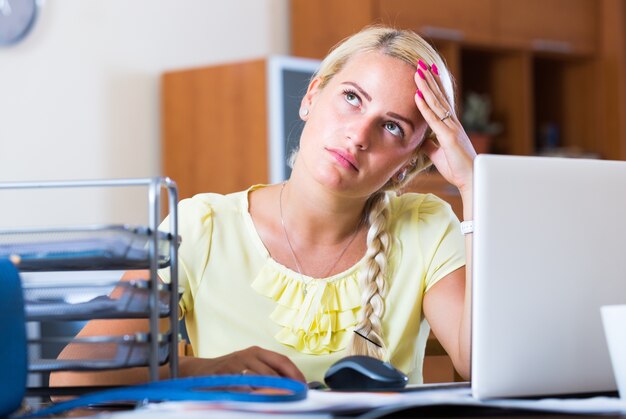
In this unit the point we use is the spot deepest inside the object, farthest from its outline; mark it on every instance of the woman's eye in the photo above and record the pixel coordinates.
(394, 128)
(352, 98)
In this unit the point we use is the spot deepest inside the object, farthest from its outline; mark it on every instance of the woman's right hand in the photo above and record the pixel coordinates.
(250, 361)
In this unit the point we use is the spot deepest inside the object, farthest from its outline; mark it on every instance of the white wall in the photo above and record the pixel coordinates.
(79, 97)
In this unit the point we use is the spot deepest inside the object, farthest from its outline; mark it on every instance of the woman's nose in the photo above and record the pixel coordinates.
(358, 133)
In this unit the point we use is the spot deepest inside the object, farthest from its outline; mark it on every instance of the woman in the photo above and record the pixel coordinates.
(332, 262)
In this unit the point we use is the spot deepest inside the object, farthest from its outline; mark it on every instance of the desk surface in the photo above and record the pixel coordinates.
(443, 411)
(438, 402)
(447, 403)
(421, 412)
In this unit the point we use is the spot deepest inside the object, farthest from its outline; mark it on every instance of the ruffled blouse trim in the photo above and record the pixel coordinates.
(316, 316)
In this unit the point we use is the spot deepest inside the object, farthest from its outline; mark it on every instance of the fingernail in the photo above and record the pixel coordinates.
(422, 64)
(421, 73)
(420, 94)
(434, 69)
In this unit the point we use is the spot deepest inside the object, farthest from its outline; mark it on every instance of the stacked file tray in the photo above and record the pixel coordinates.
(83, 248)
(64, 260)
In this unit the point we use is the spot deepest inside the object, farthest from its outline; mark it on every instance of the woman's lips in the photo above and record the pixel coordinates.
(344, 158)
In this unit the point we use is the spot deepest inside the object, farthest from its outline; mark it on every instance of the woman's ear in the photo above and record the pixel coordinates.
(308, 101)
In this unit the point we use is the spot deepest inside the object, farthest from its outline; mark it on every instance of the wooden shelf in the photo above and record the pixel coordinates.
(504, 76)
(564, 105)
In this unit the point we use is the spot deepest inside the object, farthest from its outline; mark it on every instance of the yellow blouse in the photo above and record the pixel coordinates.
(236, 295)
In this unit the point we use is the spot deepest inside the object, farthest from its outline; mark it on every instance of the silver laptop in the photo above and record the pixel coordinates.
(549, 250)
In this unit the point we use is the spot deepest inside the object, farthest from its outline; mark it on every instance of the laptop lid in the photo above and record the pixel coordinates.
(549, 250)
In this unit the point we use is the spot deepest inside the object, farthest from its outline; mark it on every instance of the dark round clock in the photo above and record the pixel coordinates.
(16, 19)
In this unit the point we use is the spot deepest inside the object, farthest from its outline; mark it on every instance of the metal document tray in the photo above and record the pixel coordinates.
(116, 352)
(101, 300)
(83, 248)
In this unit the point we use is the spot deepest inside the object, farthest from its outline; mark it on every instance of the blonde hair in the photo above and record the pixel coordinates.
(409, 47)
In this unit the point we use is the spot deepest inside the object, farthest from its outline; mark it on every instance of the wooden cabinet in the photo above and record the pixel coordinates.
(563, 26)
(315, 28)
(209, 144)
(553, 69)
(468, 21)
(227, 127)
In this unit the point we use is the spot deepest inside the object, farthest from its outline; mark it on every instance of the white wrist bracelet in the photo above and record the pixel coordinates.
(467, 227)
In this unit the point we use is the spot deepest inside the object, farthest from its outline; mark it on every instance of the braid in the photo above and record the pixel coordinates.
(372, 282)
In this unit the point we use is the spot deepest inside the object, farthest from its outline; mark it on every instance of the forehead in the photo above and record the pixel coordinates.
(389, 81)
(376, 64)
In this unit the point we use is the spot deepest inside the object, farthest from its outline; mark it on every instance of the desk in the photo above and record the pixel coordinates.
(423, 412)
(456, 403)
(446, 401)
(420, 412)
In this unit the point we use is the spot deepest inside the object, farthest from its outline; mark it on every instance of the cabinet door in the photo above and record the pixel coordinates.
(548, 25)
(215, 127)
(316, 26)
(469, 21)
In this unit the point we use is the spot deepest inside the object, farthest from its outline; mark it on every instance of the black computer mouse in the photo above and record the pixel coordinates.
(358, 372)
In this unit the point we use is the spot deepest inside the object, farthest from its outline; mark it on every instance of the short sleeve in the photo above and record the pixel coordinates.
(444, 243)
(429, 235)
(195, 228)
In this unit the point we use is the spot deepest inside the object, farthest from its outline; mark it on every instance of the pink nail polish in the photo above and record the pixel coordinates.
(435, 69)
(422, 64)
(421, 73)
(420, 94)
